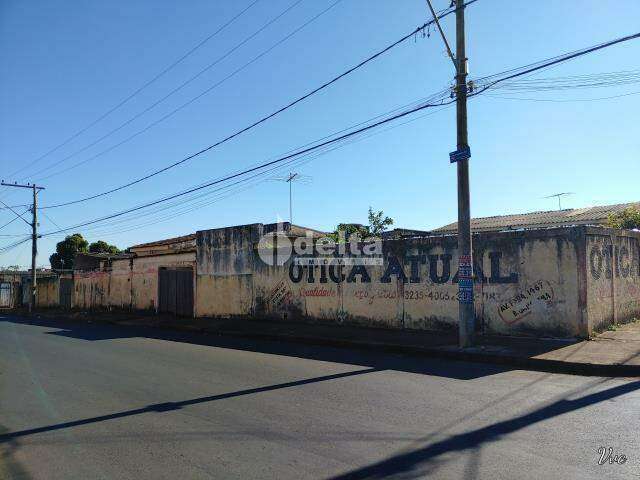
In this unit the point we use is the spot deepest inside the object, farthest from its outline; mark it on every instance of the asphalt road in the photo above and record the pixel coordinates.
(90, 401)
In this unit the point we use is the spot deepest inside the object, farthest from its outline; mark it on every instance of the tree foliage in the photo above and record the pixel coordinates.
(103, 247)
(629, 219)
(72, 244)
(378, 223)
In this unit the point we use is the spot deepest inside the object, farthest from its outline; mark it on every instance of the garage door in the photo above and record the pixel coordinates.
(176, 291)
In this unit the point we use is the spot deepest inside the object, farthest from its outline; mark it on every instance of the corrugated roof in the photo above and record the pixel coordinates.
(547, 219)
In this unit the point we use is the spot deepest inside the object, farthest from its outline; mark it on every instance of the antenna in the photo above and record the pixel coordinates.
(559, 195)
(290, 178)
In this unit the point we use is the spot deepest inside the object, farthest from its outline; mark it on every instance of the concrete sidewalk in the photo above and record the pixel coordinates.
(614, 353)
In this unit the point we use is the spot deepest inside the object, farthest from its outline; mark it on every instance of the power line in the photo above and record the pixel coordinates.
(229, 177)
(136, 92)
(562, 100)
(6, 248)
(51, 220)
(299, 161)
(439, 96)
(156, 103)
(553, 61)
(540, 65)
(258, 122)
(13, 219)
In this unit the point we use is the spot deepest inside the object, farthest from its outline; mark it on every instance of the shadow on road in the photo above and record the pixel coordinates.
(421, 462)
(170, 406)
(377, 360)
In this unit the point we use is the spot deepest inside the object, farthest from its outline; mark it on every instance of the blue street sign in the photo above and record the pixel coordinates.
(462, 154)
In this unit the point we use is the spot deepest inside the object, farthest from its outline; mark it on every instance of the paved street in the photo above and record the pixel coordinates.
(84, 401)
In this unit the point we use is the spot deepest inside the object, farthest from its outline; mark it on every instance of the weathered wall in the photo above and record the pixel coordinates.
(145, 277)
(15, 280)
(225, 266)
(48, 293)
(109, 288)
(130, 283)
(527, 283)
(613, 276)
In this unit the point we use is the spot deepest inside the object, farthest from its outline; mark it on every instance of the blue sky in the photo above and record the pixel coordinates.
(67, 62)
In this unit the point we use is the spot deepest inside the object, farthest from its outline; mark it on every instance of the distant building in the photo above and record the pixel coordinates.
(593, 216)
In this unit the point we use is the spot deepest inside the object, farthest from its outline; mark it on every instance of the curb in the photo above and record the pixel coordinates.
(523, 363)
(449, 353)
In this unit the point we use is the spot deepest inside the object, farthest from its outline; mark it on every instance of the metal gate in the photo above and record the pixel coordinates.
(66, 288)
(6, 297)
(175, 291)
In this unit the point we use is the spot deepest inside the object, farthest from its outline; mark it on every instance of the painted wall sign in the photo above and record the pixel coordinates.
(607, 260)
(521, 304)
(407, 270)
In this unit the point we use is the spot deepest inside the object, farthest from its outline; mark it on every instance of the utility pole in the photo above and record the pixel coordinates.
(34, 249)
(466, 312)
(466, 315)
(34, 238)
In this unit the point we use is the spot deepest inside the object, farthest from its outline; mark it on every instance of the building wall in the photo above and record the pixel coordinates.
(613, 276)
(128, 284)
(145, 277)
(528, 283)
(15, 280)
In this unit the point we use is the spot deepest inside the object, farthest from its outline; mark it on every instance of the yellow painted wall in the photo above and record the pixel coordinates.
(613, 273)
(130, 283)
(530, 285)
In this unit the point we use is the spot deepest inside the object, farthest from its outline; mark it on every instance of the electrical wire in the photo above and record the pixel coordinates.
(136, 92)
(261, 120)
(230, 177)
(291, 163)
(162, 99)
(492, 80)
(562, 100)
(524, 71)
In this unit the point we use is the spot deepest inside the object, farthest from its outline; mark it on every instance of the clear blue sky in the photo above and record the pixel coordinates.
(67, 62)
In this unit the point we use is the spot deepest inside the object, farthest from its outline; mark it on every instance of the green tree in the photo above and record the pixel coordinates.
(378, 223)
(103, 247)
(629, 219)
(66, 250)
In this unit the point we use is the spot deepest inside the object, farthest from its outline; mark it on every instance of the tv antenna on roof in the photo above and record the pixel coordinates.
(559, 195)
(290, 178)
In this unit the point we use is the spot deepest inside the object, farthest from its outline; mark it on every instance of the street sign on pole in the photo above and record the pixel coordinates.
(458, 155)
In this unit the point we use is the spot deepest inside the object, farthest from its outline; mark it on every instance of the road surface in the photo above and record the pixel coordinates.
(93, 401)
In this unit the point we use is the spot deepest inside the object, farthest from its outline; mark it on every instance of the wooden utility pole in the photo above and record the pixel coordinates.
(34, 238)
(466, 312)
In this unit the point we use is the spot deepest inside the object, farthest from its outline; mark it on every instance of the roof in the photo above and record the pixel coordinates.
(547, 219)
(169, 241)
(397, 233)
(104, 255)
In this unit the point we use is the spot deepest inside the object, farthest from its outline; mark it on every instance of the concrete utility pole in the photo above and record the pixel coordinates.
(466, 316)
(34, 238)
(466, 312)
(34, 249)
